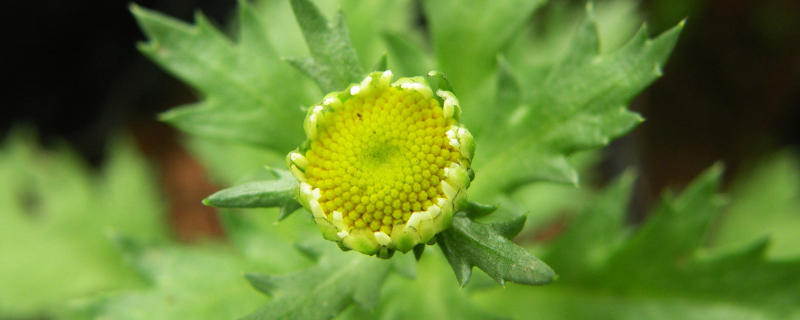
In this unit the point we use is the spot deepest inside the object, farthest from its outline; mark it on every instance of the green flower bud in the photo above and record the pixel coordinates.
(385, 165)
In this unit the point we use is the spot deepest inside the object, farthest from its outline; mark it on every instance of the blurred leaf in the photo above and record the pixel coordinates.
(202, 282)
(467, 37)
(431, 295)
(765, 202)
(244, 84)
(580, 104)
(658, 272)
(321, 292)
(488, 246)
(52, 242)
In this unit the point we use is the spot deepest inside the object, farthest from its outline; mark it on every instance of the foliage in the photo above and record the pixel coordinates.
(53, 243)
(532, 98)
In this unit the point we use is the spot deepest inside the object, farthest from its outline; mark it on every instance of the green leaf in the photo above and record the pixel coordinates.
(660, 271)
(260, 194)
(56, 210)
(333, 63)
(467, 37)
(323, 291)
(244, 84)
(186, 283)
(204, 281)
(580, 104)
(597, 231)
(408, 58)
(431, 295)
(488, 246)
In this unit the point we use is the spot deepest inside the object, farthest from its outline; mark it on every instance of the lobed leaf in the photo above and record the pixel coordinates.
(323, 291)
(659, 271)
(488, 246)
(244, 84)
(580, 104)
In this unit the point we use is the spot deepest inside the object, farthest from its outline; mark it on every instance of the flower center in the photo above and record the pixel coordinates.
(381, 157)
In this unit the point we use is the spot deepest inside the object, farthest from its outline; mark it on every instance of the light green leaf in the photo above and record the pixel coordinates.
(244, 84)
(203, 282)
(488, 246)
(333, 63)
(323, 291)
(55, 213)
(579, 105)
(765, 202)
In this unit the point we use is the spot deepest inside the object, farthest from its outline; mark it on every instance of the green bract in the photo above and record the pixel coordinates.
(385, 165)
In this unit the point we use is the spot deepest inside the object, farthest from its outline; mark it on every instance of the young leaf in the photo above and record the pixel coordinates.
(333, 63)
(323, 291)
(489, 247)
(244, 84)
(579, 105)
(260, 194)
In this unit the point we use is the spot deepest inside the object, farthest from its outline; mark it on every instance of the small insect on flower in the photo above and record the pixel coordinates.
(385, 165)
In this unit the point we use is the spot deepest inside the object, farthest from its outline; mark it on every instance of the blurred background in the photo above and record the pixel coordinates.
(730, 91)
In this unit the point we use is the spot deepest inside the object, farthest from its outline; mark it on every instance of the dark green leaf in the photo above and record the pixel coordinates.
(488, 246)
(476, 210)
(333, 63)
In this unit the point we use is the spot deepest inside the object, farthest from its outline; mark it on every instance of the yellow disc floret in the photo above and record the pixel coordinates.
(385, 166)
(381, 158)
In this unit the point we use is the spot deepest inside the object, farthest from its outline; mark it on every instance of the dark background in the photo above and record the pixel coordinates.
(730, 92)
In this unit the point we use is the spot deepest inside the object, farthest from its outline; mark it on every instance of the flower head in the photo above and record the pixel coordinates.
(385, 165)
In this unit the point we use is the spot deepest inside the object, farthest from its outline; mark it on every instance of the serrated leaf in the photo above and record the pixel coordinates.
(53, 246)
(488, 246)
(323, 291)
(243, 84)
(661, 270)
(580, 104)
(333, 64)
(260, 194)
